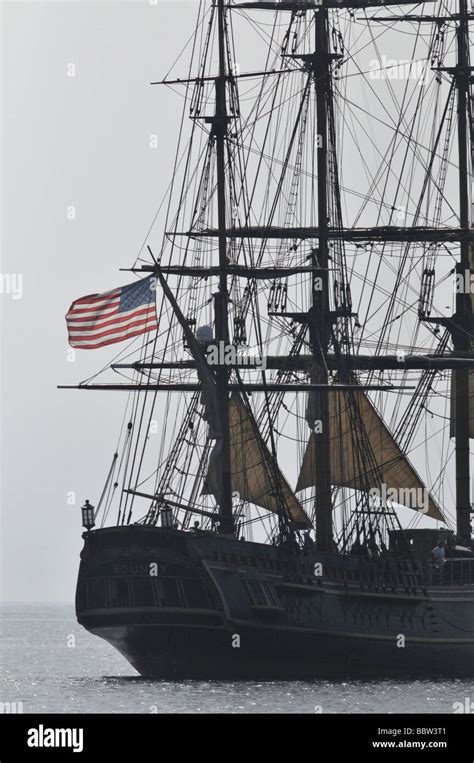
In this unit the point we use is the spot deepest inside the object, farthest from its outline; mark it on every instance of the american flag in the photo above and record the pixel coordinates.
(101, 319)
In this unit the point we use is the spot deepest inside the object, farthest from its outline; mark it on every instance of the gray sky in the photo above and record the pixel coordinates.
(78, 141)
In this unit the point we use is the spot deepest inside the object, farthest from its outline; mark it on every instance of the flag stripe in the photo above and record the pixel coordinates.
(130, 335)
(110, 319)
(87, 316)
(90, 341)
(101, 319)
(151, 323)
(111, 306)
(93, 298)
(99, 334)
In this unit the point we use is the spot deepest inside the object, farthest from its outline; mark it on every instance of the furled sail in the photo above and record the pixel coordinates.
(389, 463)
(452, 430)
(255, 476)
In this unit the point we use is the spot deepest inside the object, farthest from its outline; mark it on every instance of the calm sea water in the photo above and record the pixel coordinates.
(52, 665)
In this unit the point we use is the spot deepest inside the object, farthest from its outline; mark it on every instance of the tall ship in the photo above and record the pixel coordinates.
(290, 494)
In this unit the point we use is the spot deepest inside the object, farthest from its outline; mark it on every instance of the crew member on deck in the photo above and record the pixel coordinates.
(438, 554)
(437, 558)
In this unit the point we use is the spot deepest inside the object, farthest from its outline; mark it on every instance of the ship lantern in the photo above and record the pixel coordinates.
(88, 520)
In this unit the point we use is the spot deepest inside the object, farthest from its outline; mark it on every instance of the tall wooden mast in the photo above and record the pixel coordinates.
(221, 298)
(463, 316)
(320, 323)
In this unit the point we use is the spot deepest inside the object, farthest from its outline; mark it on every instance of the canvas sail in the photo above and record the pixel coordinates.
(346, 470)
(254, 474)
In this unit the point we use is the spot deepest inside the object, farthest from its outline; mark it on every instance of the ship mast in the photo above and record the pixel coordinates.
(462, 319)
(221, 298)
(319, 326)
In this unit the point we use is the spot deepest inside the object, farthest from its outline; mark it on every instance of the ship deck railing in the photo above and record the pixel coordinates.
(452, 572)
(396, 575)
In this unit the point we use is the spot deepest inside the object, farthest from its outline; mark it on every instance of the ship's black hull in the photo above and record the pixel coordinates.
(268, 620)
(196, 652)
